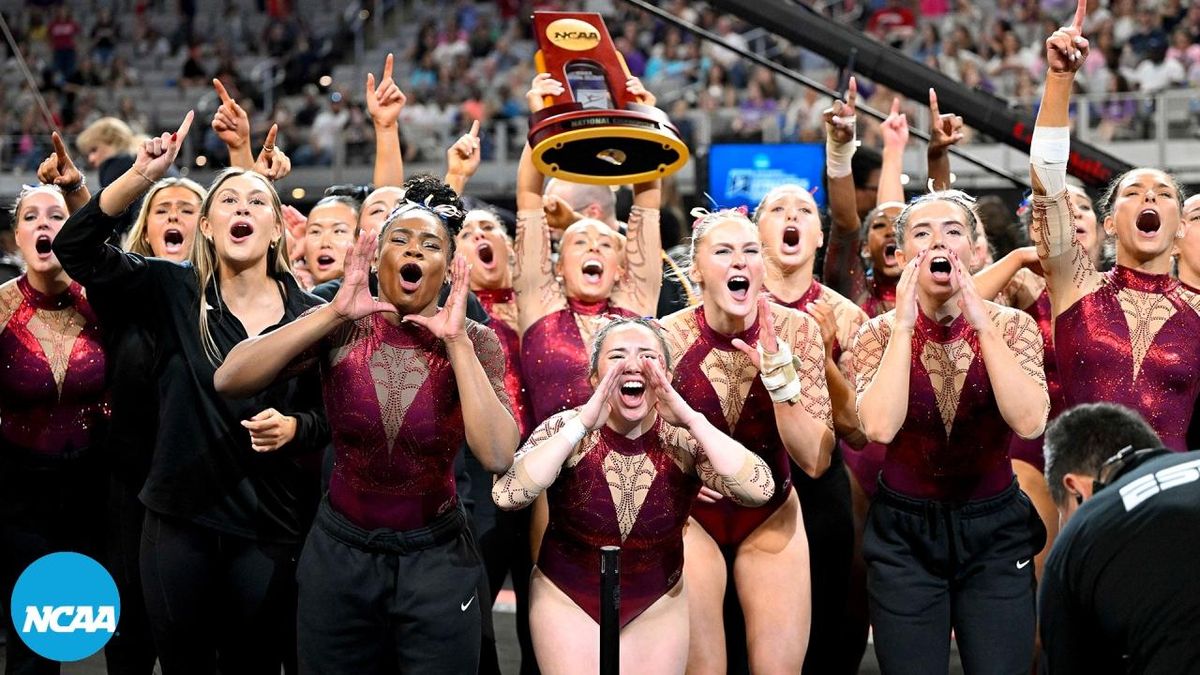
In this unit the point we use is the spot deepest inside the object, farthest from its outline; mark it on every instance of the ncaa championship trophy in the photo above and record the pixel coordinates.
(595, 131)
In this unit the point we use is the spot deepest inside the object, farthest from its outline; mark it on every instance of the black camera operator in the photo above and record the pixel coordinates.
(1120, 592)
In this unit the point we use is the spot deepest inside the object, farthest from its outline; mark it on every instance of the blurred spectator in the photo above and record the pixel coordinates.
(194, 73)
(110, 146)
(754, 112)
(1150, 37)
(104, 37)
(11, 264)
(1183, 50)
(120, 74)
(128, 111)
(63, 31)
(893, 23)
(1006, 67)
(325, 134)
(1116, 114)
(1158, 72)
(728, 58)
(310, 107)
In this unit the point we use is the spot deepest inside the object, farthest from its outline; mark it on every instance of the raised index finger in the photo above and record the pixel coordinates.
(59, 148)
(852, 92)
(185, 127)
(934, 112)
(1080, 15)
(387, 67)
(225, 99)
(269, 144)
(474, 129)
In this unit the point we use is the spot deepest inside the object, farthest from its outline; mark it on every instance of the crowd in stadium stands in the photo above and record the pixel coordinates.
(473, 62)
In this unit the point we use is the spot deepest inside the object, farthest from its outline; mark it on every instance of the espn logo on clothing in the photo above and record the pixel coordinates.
(1146, 487)
(65, 607)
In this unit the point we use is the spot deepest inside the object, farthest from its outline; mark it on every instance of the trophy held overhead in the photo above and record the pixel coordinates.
(595, 131)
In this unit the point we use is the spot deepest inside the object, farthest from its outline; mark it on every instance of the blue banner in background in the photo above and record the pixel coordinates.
(742, 174)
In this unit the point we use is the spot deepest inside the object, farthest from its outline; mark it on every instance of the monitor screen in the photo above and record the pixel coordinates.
(742, 174)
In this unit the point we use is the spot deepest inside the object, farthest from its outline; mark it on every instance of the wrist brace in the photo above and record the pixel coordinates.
(838, 155)
(1048, 154)
(779, 373)
(574, 430)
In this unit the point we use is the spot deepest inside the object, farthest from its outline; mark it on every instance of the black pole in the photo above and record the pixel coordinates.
(813, 84)
(610, 610)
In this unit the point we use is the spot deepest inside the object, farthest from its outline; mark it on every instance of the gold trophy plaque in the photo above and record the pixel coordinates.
(595, 131)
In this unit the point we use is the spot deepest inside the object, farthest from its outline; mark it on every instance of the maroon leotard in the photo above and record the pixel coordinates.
(393, 407)
(629, 492)
(501, 306)
(616, 491)
(554, 356)
(53, 398)
(721, 383)
(1152, 366)
(953, 445)
(1131, 337)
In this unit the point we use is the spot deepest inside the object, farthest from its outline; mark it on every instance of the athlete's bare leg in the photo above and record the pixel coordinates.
(771, 573)
(567, 640)
(704, 569)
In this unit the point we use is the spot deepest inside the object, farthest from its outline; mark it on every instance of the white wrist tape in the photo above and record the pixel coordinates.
(779, 374)
(574, 430)
(838, 155)
(1048, 154)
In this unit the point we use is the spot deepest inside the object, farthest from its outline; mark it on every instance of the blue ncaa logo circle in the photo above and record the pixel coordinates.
(65, 606)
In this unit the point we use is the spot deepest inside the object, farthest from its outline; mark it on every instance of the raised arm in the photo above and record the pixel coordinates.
(944, 131)
(882, 362)
(843, 269)
(82, 245)
(895, 139)
(462, 159)
(793, 371)
(1011, 346)
(254, 364)
(384, 103)
(840, 144)
(478, 364)
(538, 292)
(638, 290)
(1069, 272)
(58, 169)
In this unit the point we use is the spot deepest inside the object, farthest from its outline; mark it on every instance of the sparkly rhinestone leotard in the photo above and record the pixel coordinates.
(722, 384)
(953, 445)
(1131, 338)
(629, 492)
(393, 408)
